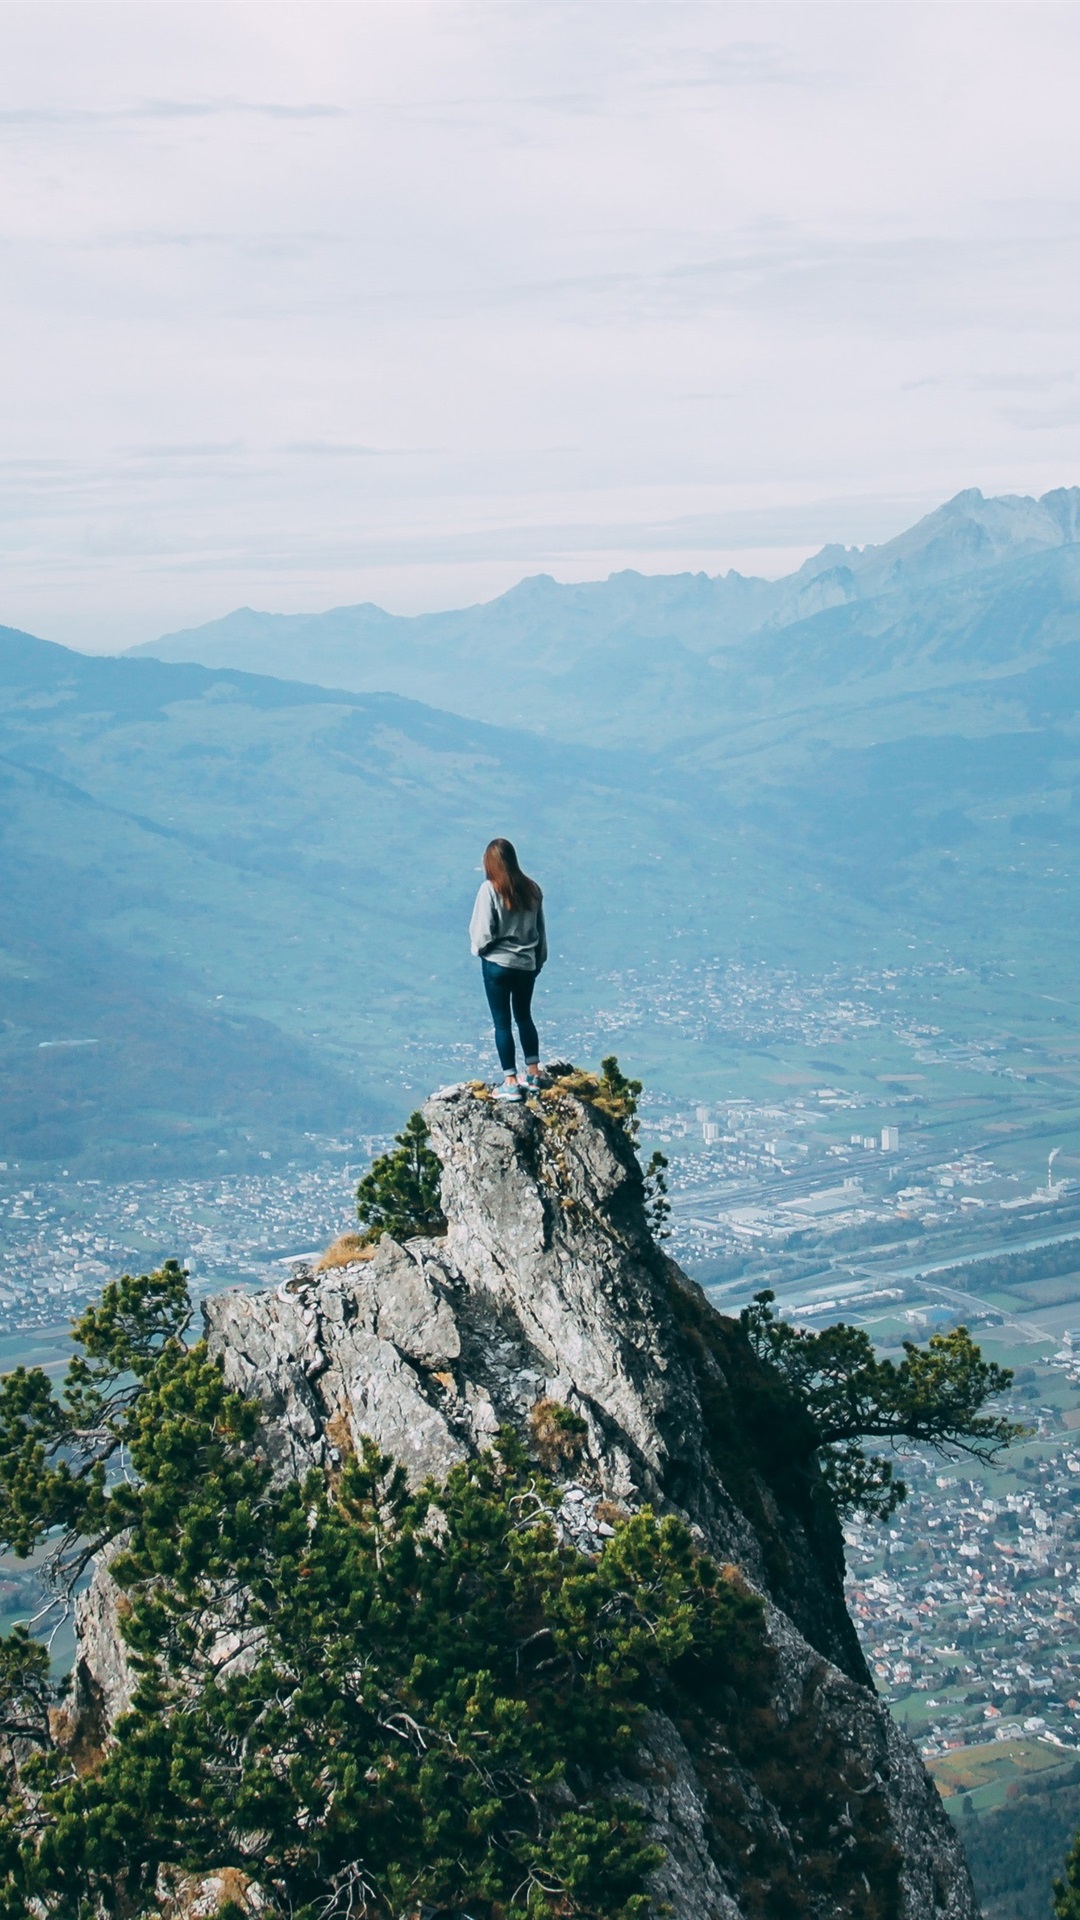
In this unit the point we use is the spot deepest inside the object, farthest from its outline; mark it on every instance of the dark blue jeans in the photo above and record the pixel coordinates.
(510, 990)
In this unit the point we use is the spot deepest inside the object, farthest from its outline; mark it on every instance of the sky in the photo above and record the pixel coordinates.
(305, 305)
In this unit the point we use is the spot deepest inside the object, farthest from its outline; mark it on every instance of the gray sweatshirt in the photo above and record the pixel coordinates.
(511, 936)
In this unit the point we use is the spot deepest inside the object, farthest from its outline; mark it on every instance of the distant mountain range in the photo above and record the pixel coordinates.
(978, 587)
(236, 902)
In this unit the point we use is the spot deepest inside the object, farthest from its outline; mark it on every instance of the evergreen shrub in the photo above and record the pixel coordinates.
(399, 1194)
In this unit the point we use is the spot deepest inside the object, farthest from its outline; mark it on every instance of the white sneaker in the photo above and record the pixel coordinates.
(507, 1090)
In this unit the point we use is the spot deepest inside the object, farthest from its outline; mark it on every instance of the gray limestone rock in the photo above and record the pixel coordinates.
(104, 1681)
(548, 1287)
(349, 1352)
(669, 1791)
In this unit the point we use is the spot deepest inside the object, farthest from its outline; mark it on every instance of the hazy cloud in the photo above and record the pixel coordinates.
(50, 118)
(310, 303)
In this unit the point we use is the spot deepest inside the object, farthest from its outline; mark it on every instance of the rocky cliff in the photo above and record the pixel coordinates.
(548, 1288)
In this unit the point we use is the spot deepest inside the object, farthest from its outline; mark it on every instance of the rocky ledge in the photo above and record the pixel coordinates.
(548, 1291)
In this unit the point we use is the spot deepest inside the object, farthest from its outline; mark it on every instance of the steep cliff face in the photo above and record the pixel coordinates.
(804, 1799)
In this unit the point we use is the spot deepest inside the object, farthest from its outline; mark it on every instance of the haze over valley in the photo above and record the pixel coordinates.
(226, 884)
(811, 875)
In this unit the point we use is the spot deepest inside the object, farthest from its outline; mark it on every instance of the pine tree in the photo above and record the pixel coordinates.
(847, 1395)
(399, 1195)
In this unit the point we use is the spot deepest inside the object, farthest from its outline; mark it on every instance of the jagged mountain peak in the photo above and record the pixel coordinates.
(647, 660)
(968, 533)
(548, 1291)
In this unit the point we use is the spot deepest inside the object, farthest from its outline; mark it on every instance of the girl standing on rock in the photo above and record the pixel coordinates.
(507, 932)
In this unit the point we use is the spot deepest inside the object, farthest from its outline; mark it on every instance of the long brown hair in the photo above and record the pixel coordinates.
(514, 888)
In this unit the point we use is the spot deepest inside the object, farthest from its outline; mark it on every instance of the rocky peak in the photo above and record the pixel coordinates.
(548, 1301)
